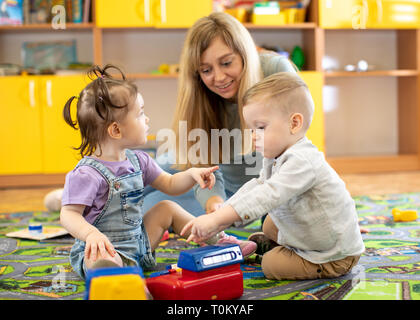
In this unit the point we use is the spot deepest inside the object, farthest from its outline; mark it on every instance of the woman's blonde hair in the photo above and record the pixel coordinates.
(196, 104)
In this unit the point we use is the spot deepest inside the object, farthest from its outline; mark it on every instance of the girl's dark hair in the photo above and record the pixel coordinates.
(104, 100)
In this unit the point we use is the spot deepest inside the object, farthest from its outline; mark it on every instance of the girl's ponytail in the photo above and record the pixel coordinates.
(101, 79)
(98, 106)
(67, 113)
(96, 72)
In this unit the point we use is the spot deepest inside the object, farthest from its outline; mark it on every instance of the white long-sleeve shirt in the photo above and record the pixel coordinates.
(308, 203)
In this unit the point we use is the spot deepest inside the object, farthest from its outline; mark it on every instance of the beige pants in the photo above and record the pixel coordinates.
(282, 263)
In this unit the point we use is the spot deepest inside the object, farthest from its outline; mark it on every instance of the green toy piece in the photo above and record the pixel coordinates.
(298, 57)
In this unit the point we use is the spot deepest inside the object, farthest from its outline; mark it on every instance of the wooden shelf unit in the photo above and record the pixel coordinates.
(407, 74)
(304, 25)
(375, 73)
(47, 26)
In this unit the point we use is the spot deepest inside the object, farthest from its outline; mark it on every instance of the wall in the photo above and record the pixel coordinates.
(356, 121)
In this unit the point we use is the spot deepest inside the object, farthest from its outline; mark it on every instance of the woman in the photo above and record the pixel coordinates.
(219, 63)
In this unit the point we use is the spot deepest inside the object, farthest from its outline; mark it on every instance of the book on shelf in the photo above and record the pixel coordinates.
(77, 9)
(86, 11)
(39, 11)
(26, 11)
(18, 12)
(11, 12)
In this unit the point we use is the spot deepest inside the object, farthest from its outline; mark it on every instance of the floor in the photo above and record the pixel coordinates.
(20, 200)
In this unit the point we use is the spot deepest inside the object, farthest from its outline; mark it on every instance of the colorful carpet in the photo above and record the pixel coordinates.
(388, 270)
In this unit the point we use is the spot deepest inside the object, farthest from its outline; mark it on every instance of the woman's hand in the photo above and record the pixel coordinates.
(95, 241)
(204, 176)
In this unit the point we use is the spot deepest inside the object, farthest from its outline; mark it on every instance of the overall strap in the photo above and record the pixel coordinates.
(103, 170)
(133, 159)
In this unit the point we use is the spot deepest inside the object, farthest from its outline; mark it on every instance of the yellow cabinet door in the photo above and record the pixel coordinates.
(20, 141)
(58, 138)
(394, 14)
(369, 14)
(316, 132)
(341, 14)
(180, 13)
(124, 13)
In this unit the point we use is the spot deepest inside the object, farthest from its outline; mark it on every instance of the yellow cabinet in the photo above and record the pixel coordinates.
(20, 129)
(124, 13)
(36, 137)
(369, 14)
(150, 13)
(337, 14)
(399, 14)
(315, 82)
(58, 138)
(180, 13)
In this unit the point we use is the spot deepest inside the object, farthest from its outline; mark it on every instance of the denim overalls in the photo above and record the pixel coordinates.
(121, 219)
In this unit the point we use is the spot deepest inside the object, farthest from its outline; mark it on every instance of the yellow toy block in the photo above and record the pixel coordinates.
(404, 215)
(115, 284)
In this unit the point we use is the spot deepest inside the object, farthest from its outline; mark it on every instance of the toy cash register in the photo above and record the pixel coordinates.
(206, 273)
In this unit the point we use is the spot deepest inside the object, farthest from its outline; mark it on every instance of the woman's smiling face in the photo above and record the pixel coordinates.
(221, 69)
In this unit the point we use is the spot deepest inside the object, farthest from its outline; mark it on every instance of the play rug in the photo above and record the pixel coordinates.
(388, 270)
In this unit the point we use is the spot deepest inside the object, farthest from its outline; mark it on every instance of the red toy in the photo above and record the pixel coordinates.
(206, 273)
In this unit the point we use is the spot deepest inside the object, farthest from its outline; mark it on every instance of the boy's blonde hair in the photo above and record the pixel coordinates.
(285, 90)
(196, 104)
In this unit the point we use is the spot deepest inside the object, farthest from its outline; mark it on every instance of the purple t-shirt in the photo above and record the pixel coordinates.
(86, 186)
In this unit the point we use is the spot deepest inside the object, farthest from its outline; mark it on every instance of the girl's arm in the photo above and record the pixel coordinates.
(72, 220)
(181, 182)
